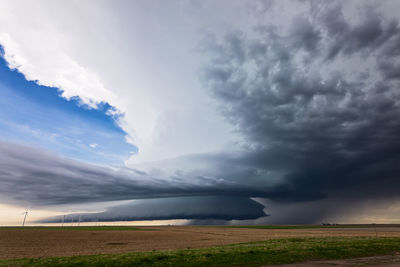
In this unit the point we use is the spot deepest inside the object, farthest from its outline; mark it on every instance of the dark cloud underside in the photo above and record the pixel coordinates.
(198, 208)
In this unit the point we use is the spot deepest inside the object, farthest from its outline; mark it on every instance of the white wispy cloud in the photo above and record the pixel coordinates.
(94, 145)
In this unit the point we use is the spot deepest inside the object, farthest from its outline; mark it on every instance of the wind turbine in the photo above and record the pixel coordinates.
(63, 219)
(26, 214)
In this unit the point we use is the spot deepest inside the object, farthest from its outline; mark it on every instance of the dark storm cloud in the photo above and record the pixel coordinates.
(304, 34)
(197, 208)
(33, 177)
(318, 104)
(370, 34)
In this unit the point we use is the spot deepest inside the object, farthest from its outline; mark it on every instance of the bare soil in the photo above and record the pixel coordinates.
(35, 243)
(384, 261)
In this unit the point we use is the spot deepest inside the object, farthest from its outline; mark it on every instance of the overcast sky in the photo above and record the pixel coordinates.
(208, 111)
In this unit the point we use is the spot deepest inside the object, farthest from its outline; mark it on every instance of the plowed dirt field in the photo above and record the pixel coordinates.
(33, 243)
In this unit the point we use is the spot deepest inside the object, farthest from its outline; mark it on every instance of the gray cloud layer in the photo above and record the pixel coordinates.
(31, 176)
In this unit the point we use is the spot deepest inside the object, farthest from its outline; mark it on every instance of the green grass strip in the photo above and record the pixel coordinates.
(278, 251)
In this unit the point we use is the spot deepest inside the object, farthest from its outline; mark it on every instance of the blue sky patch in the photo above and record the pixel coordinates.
(38, 116)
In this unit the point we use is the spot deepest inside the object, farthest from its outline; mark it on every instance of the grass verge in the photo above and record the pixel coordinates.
(278, 251)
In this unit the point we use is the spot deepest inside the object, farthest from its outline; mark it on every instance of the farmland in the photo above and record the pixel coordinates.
(192, 245)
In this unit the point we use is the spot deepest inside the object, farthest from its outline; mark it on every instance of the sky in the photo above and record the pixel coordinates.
(210, 112)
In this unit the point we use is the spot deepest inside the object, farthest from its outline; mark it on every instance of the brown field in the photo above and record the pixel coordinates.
(376, 261)
(25, 242)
